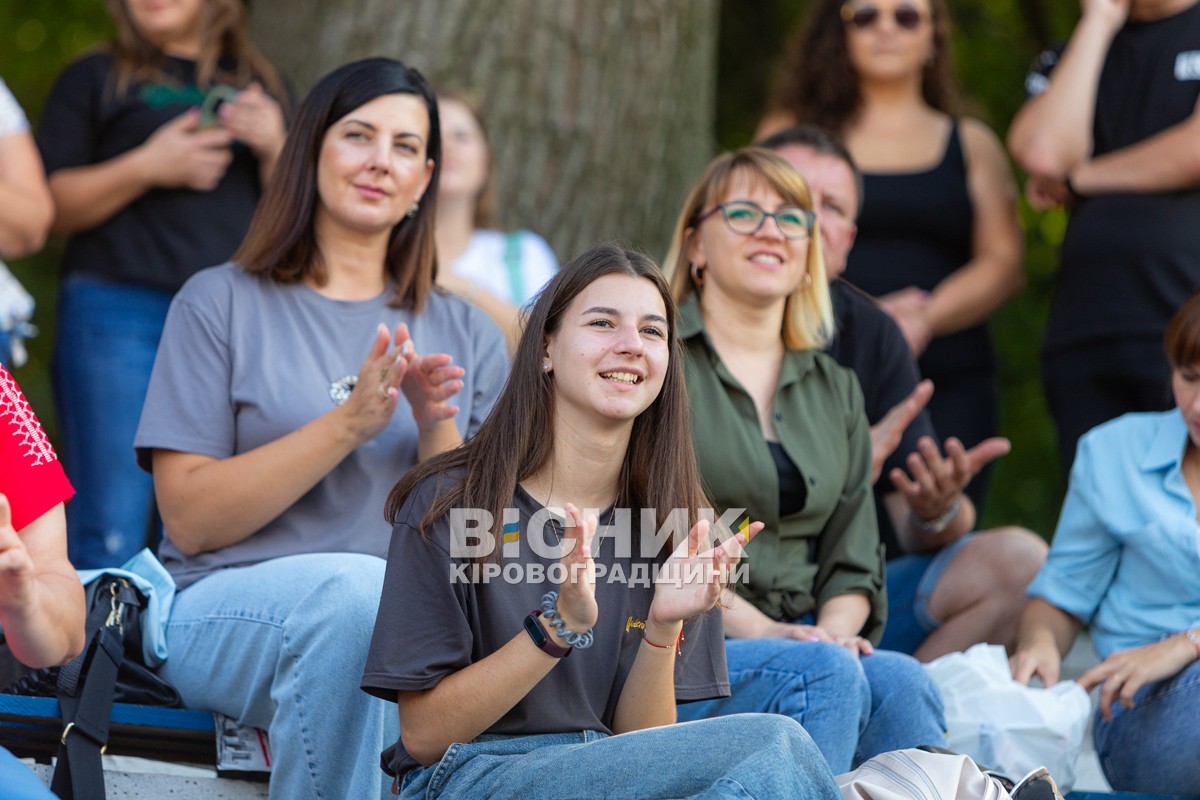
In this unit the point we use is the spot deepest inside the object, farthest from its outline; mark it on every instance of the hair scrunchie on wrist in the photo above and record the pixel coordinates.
(580, 641)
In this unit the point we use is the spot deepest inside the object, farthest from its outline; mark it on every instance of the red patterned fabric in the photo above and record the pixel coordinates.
(31, 475)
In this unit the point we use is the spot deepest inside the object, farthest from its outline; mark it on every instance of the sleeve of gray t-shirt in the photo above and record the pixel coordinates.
(188, 407)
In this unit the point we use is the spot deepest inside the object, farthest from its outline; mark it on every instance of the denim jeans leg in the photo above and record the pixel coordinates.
(906, 706)
(281, 645)
(820, 685)
(107, 338)
(19, 782)
(1152, 748)
(738, 757)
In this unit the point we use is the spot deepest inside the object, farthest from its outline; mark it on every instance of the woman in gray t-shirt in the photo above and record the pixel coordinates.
(593, 417)
(274, 444)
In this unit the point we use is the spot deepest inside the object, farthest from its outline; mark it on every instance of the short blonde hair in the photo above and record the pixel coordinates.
(808, 312)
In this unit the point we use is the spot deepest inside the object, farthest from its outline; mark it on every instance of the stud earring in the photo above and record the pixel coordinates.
(545, 366)
(413, 209)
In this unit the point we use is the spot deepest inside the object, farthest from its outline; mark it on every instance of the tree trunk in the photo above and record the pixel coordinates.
(600, 112)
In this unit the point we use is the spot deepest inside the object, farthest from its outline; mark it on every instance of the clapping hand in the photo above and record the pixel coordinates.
(887, 433)
(577, 593)
(689, 582)
(429, 382)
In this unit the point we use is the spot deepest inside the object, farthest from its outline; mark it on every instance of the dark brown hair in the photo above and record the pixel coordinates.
(819, 85)
(226, 53)
(1182, 340)
(281, 242)
(660, 469)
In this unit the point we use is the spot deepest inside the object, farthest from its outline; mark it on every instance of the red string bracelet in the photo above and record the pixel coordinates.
(678, 645)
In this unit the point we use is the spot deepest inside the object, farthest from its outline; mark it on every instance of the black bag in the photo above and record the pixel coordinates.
(109, 668)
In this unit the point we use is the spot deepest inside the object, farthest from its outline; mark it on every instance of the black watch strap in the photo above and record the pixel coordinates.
(544, 643)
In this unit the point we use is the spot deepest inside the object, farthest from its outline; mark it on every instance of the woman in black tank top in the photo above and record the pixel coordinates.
(939, 243)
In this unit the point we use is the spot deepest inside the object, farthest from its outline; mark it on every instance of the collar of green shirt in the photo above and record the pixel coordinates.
(796, 363)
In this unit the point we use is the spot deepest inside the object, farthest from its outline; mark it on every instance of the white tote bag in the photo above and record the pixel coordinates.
(918, 775)
(1009, 727)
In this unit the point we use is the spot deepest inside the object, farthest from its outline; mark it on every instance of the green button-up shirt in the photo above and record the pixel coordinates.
(829, 548)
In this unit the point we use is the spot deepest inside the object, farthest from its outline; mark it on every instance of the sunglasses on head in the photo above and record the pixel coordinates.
(862, 17)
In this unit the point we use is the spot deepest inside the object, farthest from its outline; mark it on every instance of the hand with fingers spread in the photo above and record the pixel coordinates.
(182, 154)
(936, 480)
(887, 433)
(371, 405)
(430, 381)
(18, 577)
(690, 581)
(1122, 674)
(577, 593)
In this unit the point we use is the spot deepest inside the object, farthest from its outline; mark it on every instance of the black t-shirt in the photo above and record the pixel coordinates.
(1130, 260)
(869, 343)
(434, 621)
(166, 235)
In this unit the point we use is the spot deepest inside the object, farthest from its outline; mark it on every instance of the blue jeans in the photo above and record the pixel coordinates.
(910, 582)
(853, 708)
(281, 645)
(107, 337)
(18, 780)
(743, 756)
(1152, 748)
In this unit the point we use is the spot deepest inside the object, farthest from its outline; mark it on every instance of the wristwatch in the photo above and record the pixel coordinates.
(544, 643)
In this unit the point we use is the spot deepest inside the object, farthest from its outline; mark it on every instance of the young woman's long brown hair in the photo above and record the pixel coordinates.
(282, 243)
(660, 470)
(226, 53)
(819, 85)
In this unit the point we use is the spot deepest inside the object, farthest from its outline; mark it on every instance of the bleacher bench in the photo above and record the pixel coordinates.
(31, 727)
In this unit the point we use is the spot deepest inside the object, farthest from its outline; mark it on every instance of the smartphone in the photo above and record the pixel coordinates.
(212, 103)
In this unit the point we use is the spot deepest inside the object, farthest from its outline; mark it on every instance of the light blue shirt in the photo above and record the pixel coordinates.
(1126, 555)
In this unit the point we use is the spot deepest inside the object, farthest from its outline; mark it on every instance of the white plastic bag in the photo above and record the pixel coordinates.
(1009, 727)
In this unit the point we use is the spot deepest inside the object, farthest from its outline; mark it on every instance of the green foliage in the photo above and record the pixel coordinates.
(37, 39)
(994, 44)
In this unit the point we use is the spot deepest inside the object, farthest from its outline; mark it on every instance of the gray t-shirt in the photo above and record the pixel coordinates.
(245, 360)
(432, 623)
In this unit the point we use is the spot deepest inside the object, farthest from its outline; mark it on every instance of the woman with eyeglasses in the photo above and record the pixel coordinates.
(781, 437)
(939, 242)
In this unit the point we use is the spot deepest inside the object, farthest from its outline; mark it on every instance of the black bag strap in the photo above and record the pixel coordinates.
(86, 687)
